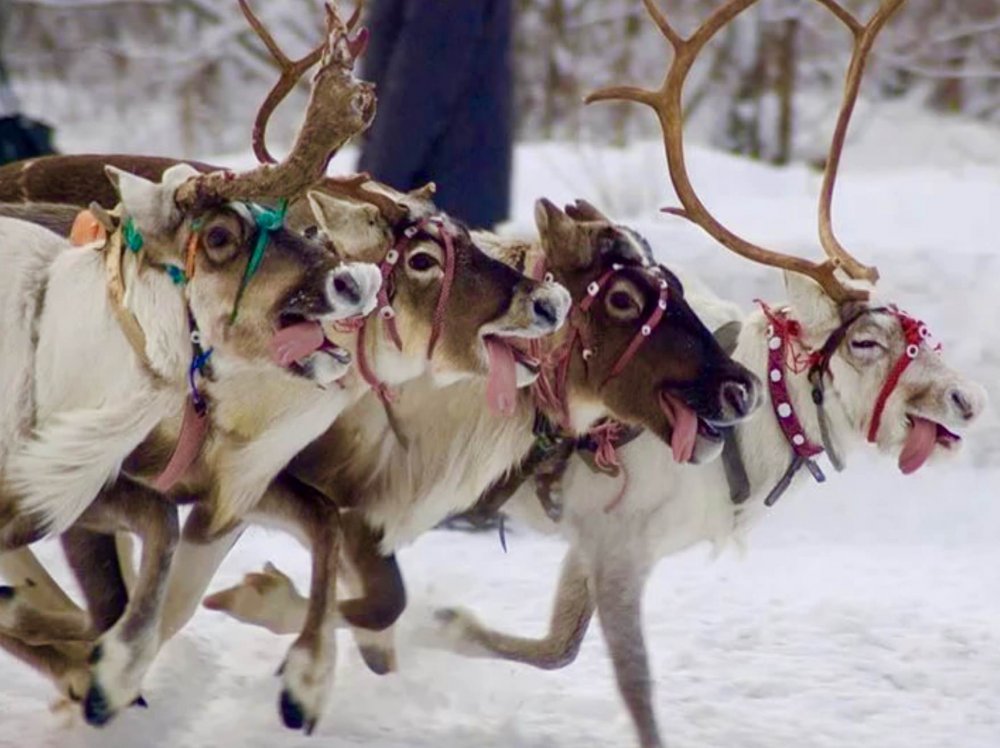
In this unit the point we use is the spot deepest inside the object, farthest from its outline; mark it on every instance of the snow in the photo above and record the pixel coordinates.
(865, 612)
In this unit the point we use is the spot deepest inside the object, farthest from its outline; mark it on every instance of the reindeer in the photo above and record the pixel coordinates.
(200, 317)
(445, 308)
(842, 369)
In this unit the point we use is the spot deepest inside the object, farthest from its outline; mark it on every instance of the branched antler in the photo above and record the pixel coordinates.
(340, 106)
(864, 38)
(666, 102)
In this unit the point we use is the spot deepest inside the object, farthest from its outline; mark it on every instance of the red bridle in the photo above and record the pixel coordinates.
(916, 333)
(384, 308)
(552, 395)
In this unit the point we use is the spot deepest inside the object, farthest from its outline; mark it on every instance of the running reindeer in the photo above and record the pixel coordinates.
(444, 308)
(841, 368)
(201, 320)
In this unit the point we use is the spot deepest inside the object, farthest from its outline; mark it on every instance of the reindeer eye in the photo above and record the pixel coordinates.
(621, 301)
(864, 345)
(421, 261)
(217, 237)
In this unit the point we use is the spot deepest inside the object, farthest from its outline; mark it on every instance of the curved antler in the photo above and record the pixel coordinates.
(666, 102)
(291, 72)
(864, 37)
(340, 106)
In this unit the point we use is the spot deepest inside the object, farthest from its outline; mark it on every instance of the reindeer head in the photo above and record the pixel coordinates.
(644, 357)
(909, 406)
(453, 305)
(256, 291)
(893, 384)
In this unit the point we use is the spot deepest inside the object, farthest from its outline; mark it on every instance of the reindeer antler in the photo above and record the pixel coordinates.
(666, 102)
(864, 38)
(340, 106)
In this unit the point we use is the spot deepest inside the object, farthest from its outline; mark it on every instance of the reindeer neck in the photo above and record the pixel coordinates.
(766, 451)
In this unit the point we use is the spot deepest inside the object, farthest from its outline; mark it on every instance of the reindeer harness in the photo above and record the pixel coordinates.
(783, 335)
(445, 239)
(554, 442)
(194, 423)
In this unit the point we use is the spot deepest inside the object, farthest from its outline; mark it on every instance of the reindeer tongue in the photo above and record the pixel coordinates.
(295, 342)
(685, 427)
(501, 388)
(919, 444)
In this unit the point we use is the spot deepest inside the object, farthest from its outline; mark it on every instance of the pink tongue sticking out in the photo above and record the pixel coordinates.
(295, 342)
(685, 425)
(919, 445)
(501, 388)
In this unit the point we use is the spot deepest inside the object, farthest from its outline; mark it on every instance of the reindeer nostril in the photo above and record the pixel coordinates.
(962, 404)
(737, 399)
(545, 310)
(346, 287)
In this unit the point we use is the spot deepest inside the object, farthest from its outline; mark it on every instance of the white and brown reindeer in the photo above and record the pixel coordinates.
(189, 331)
(843, 368)
(445, 308)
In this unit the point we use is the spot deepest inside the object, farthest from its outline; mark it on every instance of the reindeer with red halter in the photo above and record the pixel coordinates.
(842, 369)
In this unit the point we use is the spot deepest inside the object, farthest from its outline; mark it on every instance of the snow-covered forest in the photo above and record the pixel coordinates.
(190, 73)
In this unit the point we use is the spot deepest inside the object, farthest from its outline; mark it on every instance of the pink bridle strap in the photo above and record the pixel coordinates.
(915, 333)
(382, 390)
(644, 332)
(447, 243)
(385, 312)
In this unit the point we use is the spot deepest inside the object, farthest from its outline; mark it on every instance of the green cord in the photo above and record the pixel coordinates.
(268, 220)
(131, 235)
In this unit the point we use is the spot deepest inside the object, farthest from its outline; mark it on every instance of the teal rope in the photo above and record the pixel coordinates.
(131, 235)
(268, 220)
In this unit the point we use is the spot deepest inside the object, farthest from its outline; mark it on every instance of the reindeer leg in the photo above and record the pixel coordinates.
(123, 654)
(21, 568)
(571, 614)
(378, 596)
(198, 557)
(93, 557)
(307, 672)
(65, 665)
(22, 618)
(618, 590)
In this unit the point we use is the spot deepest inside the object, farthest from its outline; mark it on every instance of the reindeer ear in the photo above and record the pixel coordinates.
(150, 204)
(355, 228)
(810, 304)
(584, 211)
(560, 237)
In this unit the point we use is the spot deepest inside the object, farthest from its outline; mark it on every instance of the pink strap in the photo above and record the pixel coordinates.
(644, 332)
(380, 388)
(194, 429)
(449, 278)
(915, 333)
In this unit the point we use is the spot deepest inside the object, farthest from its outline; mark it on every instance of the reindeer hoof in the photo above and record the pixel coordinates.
(378, 660)
(446, 615)
(96, 709)
(291, 711)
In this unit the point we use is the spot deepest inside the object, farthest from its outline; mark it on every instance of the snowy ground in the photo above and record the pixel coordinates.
(866, 614)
